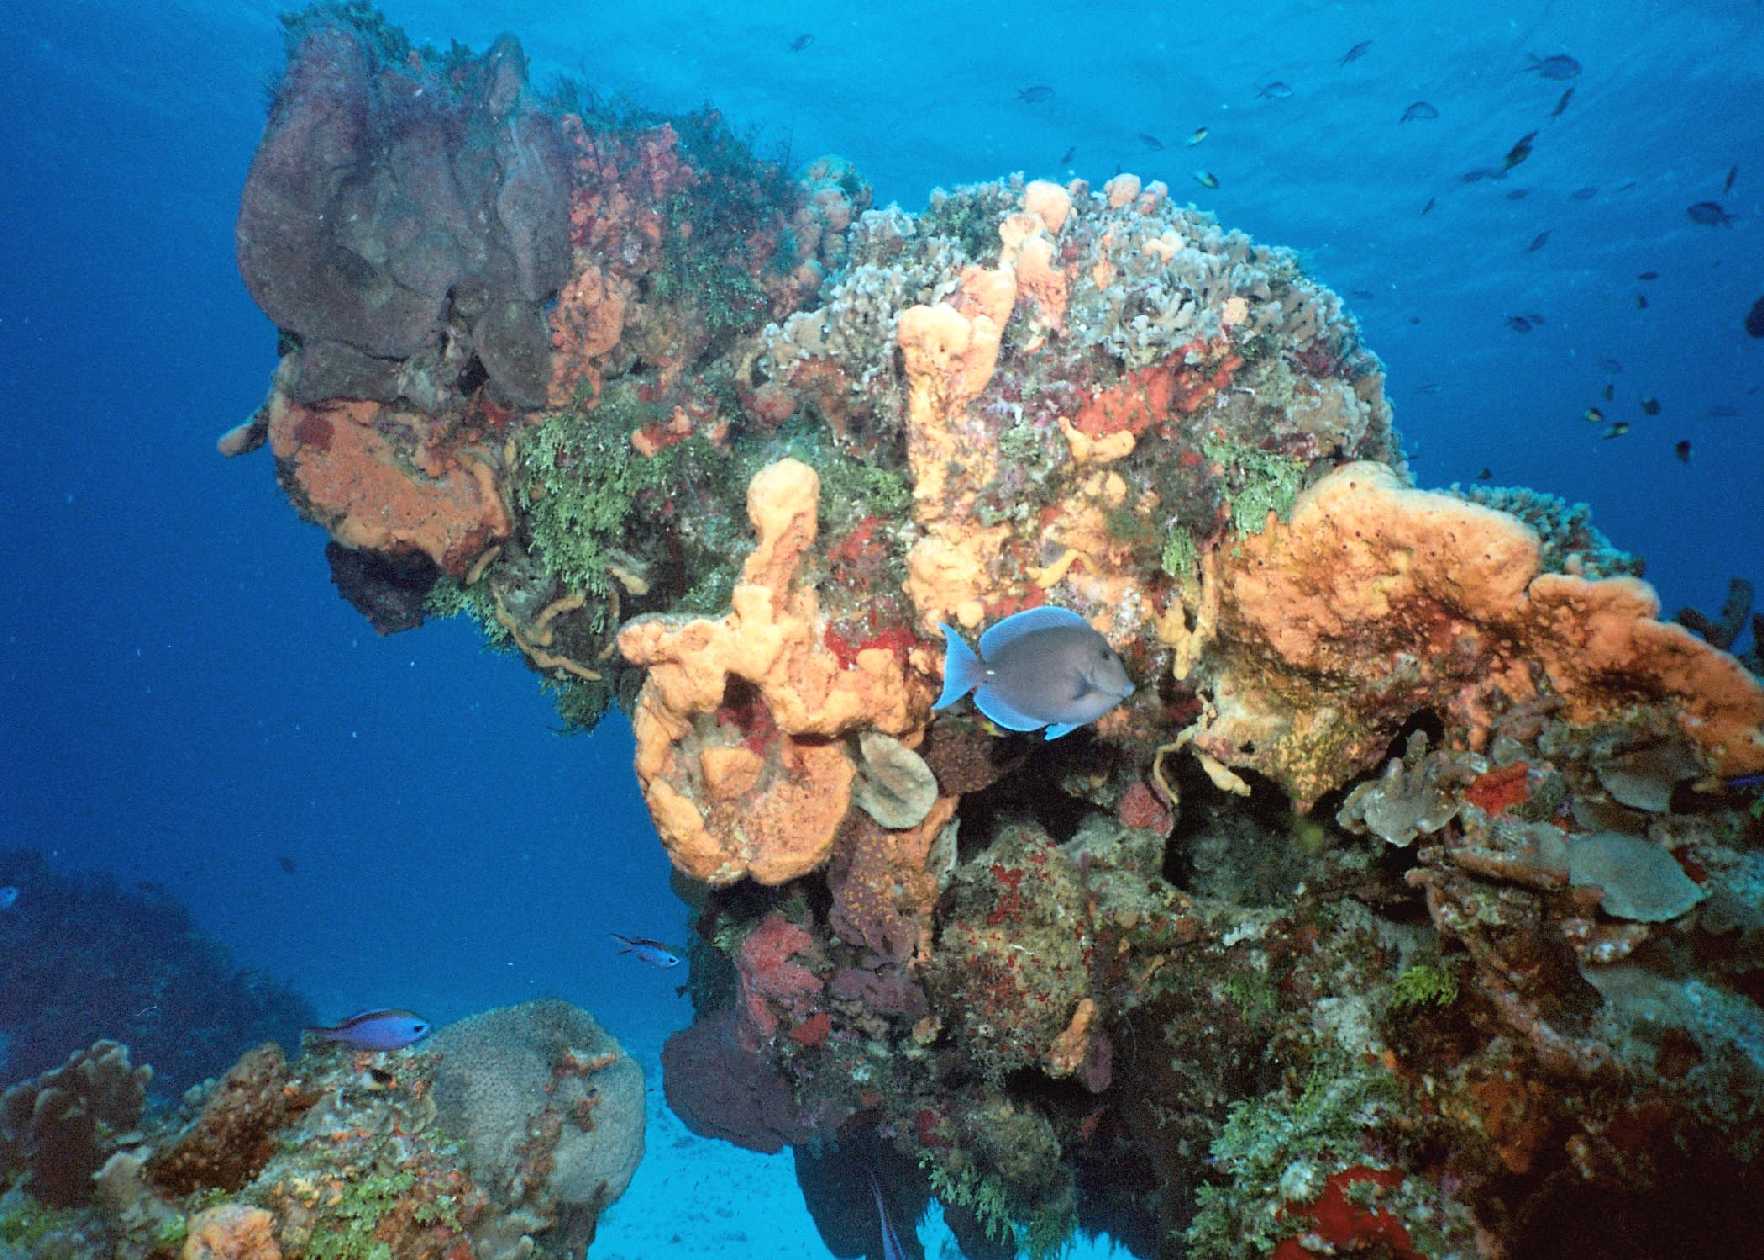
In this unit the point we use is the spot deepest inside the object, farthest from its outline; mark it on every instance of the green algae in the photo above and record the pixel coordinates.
(1425, 984)
(346, 1230)
(1257, 482)
(1278, 1148)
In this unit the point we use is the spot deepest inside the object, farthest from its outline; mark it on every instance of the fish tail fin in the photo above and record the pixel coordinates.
(962, 668)
(626, 944)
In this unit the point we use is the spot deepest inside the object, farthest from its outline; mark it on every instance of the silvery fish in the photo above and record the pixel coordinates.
(375, 1030)
(1043, 667)
(654, 953)
(8, 897)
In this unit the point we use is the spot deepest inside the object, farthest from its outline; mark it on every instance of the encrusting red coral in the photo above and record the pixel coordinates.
(770, 979)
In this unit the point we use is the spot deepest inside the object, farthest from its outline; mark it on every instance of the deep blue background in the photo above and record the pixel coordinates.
(186, 699)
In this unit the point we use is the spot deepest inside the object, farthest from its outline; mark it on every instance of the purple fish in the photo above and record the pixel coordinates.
(891, 1248)
(375, 1030)
(654, 953)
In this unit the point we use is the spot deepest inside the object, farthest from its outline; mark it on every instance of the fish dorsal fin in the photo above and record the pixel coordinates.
(373, 1012)
(1030, 620)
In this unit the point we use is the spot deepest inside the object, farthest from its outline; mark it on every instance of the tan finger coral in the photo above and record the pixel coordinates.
(1378, 600)
(232, 1231)
(737, 723)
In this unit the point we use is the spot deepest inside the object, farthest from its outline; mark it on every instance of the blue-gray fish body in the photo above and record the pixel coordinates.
(8, 897)
(1044, 667)
(375, 1030)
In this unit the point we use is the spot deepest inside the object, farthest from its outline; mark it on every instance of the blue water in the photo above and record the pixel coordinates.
(186, 699)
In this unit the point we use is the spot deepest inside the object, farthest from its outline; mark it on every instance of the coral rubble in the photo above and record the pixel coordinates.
(1409, 904)
(505, 1136)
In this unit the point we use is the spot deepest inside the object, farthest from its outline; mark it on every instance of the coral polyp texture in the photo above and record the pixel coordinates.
(1412, 901)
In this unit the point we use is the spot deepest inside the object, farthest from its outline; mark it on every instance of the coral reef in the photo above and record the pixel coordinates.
(1409, 905)
(505, 1136)
(83, 959)
(549, 1110)
(63, 1124)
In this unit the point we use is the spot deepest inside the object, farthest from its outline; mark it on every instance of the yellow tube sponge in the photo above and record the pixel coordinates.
(1377, 600)
(737, 721)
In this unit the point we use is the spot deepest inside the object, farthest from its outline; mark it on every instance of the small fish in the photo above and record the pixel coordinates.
(1206, 179)
(1584, 194)
(1043, 667)
(1611, 365)
(1610, 392)
(646, 950)
(1594, 416)
(1519, 323)
(1068, 155)
(1150, 141)
(1419, 111)
(1197, 135)
(1275, 90)
(1709, 214)
(1362, 295)
(1518, 194)
(1035, 93)
(1732, 174)
(1650, 406)
(1482, 173)
(1487, 474)
(8, 897)
(388, 1029)
(1682, 449)
(1562, 104)
(1755, 319)
(1560, 67)
(1641, 301)
(1432, 387)
(1617, 430)
(1647, 275)
(1428, 208)
(1743, 782)
(1520, 151)
(801, 42)
(1355, 53)
(891, 1248)
(287, 864)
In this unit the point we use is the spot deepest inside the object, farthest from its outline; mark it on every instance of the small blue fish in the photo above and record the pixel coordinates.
(654, 953)
(375, 1030)
(1744, 782)
(891, 1248)
(1041, 667)
(8, 897)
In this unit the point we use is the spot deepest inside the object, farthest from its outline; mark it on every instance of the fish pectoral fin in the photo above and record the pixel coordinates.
(1062, 728)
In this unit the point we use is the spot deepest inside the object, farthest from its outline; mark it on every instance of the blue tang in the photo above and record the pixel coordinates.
(1043, 667)
(650, 951)
(375, 1030)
